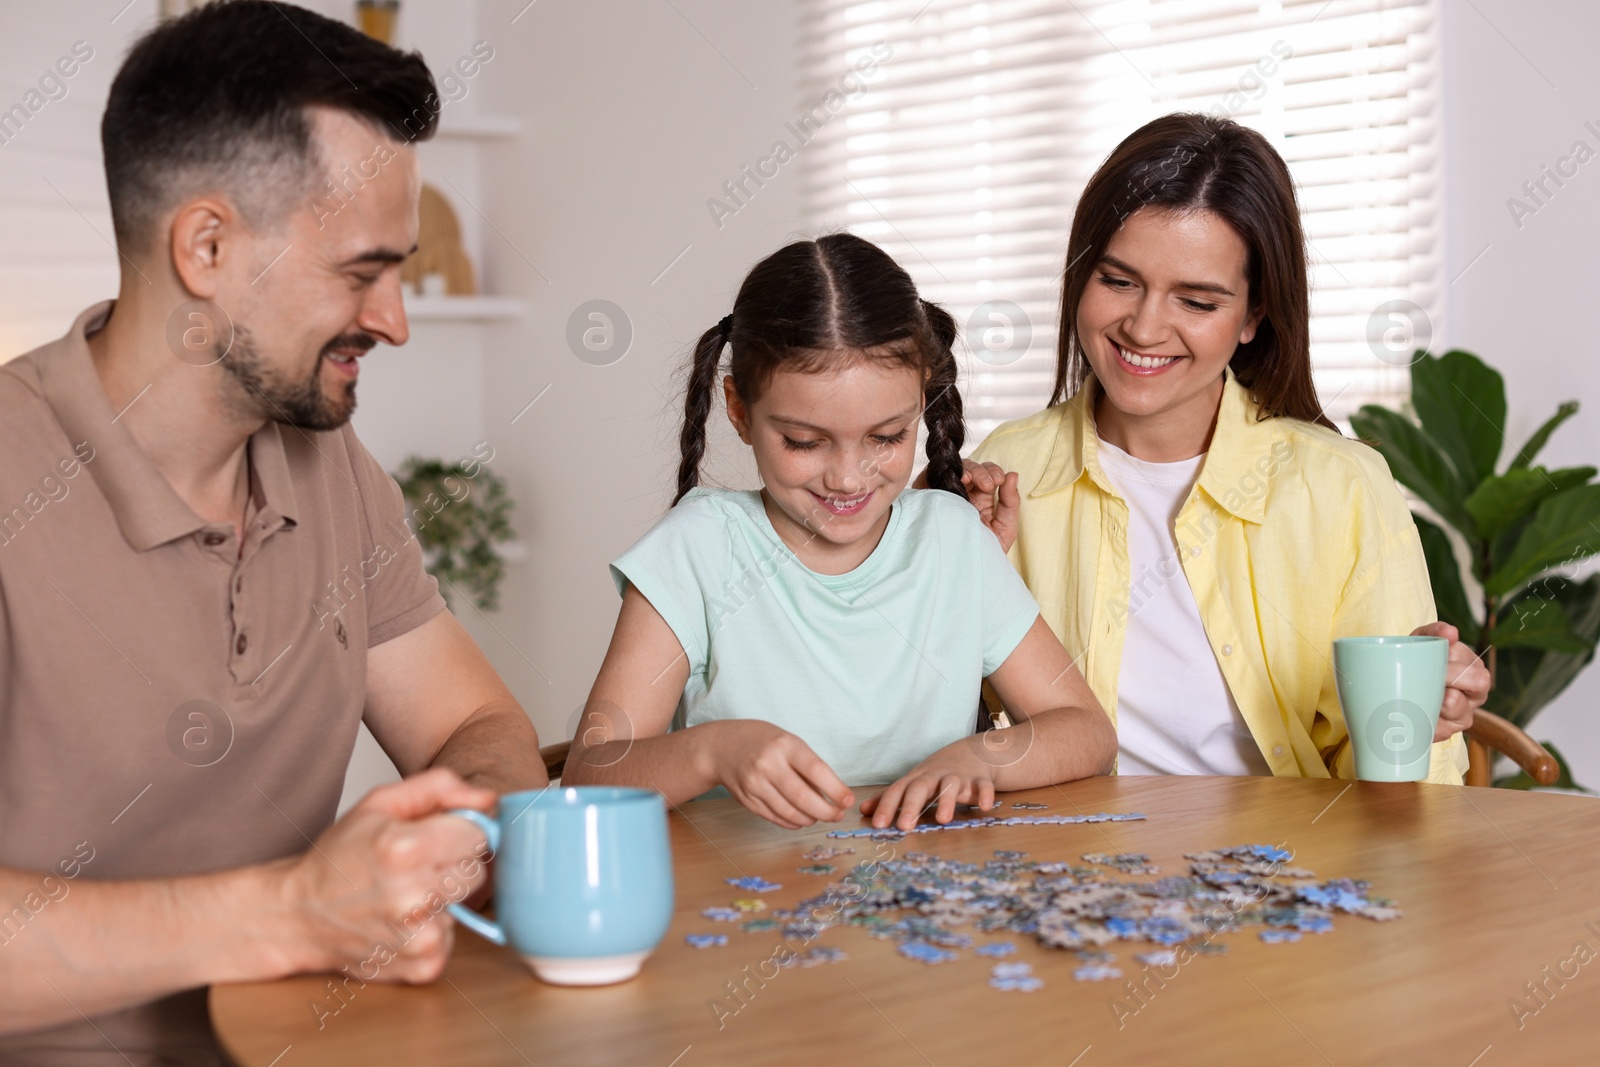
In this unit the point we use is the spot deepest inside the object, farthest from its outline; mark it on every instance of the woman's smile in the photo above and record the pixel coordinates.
(1141, 363)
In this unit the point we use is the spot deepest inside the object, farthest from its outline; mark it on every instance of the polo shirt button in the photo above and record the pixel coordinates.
(1194, 550)
(215, 538)
(1227, 650)
(1277, 751)
(239, 645)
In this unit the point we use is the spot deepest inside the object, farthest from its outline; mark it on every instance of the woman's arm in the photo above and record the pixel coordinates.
(1061, 734)
(993, 491)
(622, 738)
(1389, 592)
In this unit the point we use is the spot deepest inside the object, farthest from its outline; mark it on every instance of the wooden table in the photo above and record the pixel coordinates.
(1495, 886)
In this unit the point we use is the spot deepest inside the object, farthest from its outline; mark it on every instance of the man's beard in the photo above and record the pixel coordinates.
(301, 404)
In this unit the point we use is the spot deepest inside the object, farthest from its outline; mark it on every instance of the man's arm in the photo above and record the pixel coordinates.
(365, 897)
(433, 700)
(100, 946)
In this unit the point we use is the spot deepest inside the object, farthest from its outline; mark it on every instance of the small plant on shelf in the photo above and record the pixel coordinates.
(459, 512)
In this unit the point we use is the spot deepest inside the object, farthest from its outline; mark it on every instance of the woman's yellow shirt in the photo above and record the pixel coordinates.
(1291, 537)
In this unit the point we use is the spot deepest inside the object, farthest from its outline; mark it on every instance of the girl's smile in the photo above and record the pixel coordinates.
(834, 448)
(842, 506)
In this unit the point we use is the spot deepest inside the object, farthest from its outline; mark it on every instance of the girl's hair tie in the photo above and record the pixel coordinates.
(726, 326)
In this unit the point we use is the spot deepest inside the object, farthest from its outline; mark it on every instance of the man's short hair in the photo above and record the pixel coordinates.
(217, 99)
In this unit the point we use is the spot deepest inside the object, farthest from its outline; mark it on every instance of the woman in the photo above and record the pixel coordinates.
(1193, 526)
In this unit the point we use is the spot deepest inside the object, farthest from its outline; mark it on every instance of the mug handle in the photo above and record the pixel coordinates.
(487, 929)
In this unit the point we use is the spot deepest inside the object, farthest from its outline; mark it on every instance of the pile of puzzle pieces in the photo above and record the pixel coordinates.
(933, 907)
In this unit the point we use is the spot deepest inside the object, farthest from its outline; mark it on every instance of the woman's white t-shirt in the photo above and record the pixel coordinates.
(1175, 713)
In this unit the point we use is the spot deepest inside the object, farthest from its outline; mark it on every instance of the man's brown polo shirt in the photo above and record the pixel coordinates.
(169, 704)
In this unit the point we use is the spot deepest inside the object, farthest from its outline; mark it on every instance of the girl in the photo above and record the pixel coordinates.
(833, 627)
(1193, 522)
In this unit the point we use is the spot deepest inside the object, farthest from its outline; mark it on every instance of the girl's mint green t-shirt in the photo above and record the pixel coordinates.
(874, 669)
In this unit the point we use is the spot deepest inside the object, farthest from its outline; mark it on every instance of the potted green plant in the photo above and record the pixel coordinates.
(1524, 529)
(460, 512)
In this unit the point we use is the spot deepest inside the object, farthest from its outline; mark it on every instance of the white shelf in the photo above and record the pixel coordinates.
(463, 308)
(479, 126)
(512, 552)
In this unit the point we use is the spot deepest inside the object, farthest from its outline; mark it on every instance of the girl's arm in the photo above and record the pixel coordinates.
(622, 738)
(1061, 734)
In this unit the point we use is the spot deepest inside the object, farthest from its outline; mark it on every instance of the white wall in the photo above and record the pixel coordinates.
(1520, 82)
(633, 115)
(55, 222)
(636, 115)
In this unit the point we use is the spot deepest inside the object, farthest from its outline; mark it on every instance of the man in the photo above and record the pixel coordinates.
(205, 579)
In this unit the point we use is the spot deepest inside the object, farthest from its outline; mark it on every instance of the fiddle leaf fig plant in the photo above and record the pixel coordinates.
(459, 513)
(1525, 530)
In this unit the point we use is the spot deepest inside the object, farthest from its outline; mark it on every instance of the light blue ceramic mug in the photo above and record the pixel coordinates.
(583, 881)
(1391, 690)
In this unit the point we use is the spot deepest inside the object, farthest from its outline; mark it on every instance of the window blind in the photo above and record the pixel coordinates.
(965, 150)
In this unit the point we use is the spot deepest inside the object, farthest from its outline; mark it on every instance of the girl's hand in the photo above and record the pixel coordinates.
(939, 779)
(1466, 682)
(775, 774)
(994, 493)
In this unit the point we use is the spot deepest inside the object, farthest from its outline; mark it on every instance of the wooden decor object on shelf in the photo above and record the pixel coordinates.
(377, 18)
(439, 249)
(171, 9)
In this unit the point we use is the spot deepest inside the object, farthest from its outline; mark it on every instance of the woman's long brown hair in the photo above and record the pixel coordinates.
(811, 303)
(1192, 162)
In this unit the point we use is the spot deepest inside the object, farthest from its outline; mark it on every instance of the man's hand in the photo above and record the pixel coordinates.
(371, 892)
(1466, 682)
(994, 493)
(775, 774)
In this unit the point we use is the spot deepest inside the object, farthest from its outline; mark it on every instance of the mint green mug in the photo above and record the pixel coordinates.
(1391, 690)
